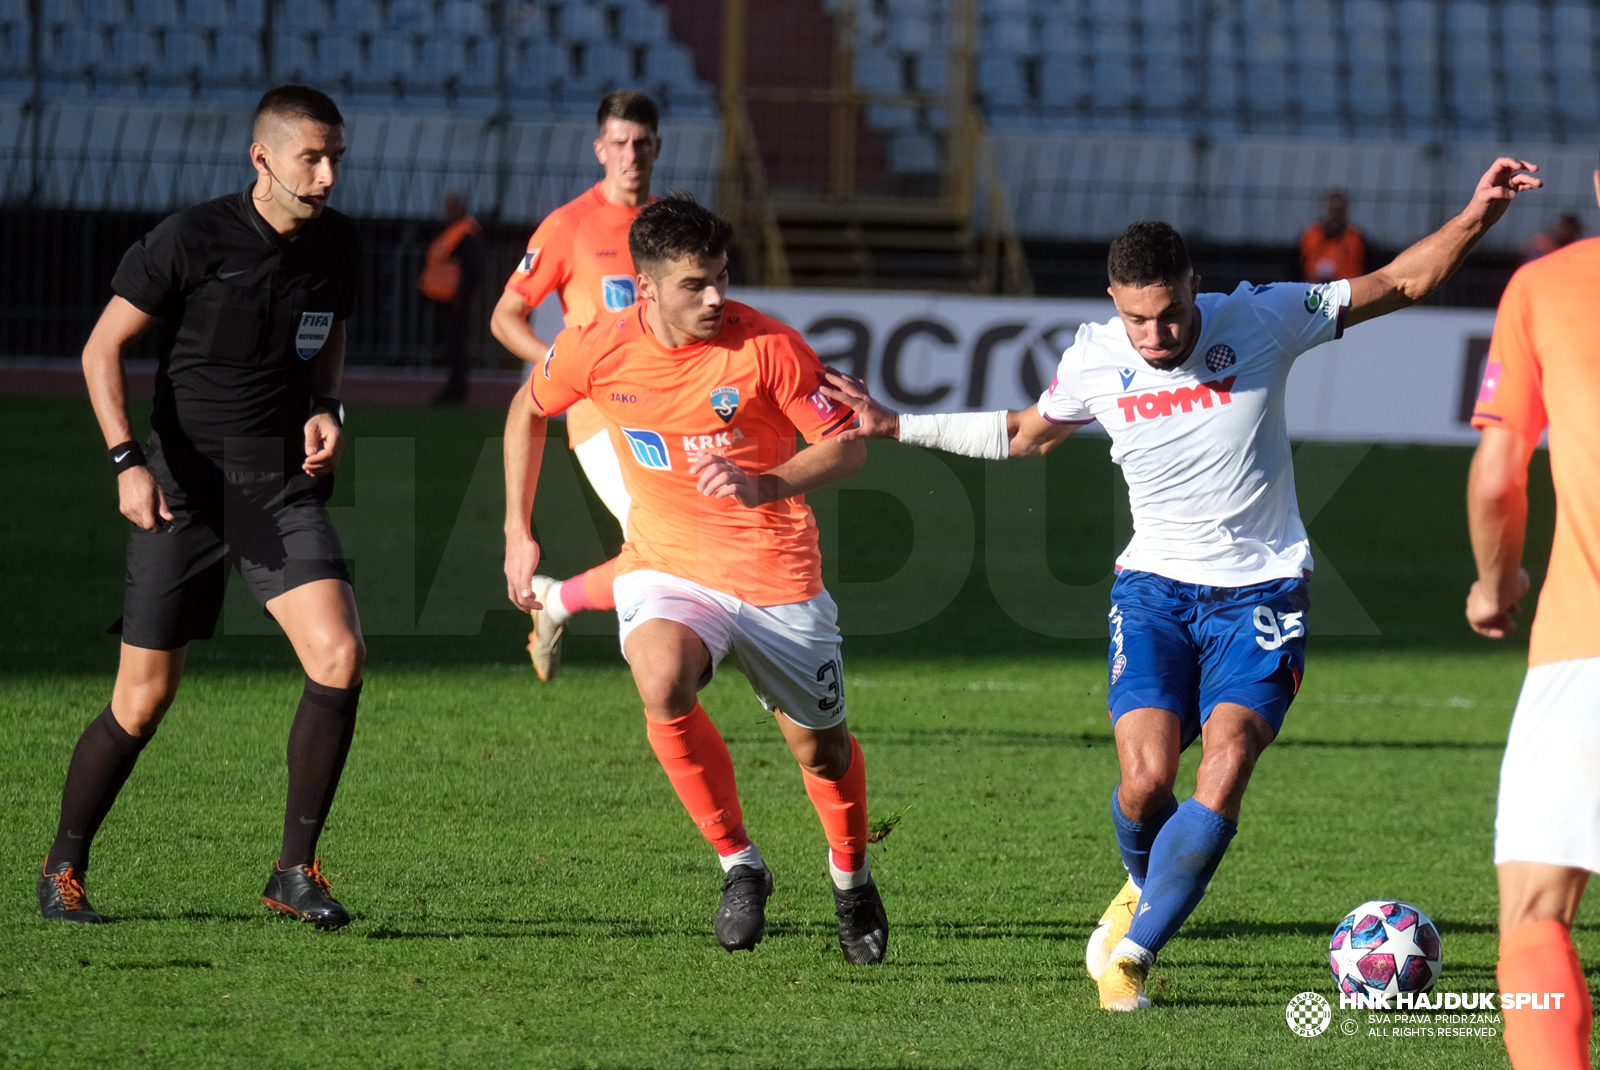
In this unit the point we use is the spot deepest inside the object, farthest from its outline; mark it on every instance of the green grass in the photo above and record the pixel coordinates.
(529, 893)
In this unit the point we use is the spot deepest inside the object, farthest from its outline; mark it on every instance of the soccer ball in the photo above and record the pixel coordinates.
(1385, 946)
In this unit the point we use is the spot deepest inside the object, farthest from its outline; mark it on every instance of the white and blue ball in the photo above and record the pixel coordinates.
(1385, 947)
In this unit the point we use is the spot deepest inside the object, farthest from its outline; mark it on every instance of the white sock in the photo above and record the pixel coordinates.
(844, 880)
(552, 604)
(1127, 949)
(749, 856)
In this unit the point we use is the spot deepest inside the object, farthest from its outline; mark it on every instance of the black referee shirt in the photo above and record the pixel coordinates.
(244, 311)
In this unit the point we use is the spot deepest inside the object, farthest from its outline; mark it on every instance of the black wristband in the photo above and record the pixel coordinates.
(332, 406)
(126, 456)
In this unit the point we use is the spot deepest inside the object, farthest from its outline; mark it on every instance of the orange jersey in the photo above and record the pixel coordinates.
(580, 252)
(1324, 259)
(1544, 371)
(742, 395)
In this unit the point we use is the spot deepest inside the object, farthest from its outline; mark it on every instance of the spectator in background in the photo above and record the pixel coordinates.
(449, 279)
(1566, 231)
(1333, 249)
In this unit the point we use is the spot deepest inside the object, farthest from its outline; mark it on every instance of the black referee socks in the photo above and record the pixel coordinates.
(319, 742)
(100, 765)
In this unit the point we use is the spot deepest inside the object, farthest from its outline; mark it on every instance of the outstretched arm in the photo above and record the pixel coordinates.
(1424, 267)
(993, 435)
(1497, 514)
(524, 453)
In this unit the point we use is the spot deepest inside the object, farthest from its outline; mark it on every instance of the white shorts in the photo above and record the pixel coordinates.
(1550, 779)
(600, 464)
(789, 653)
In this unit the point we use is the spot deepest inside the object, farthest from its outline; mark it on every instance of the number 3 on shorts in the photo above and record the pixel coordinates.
(1277, 628)
(829, 675)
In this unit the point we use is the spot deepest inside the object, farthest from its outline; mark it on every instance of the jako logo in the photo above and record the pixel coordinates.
(1154, 406)
(649, 449)
(618, 292)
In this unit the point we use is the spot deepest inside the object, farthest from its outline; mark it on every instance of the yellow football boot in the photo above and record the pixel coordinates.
(544, 642)
(1122, 986)
(1114, 925)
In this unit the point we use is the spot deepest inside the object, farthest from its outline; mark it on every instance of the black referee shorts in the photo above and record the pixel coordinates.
(177, 576)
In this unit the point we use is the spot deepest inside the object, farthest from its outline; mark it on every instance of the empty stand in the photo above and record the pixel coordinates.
(445, 53)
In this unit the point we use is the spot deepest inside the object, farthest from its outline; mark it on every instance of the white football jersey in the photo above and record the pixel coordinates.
(1205, 447)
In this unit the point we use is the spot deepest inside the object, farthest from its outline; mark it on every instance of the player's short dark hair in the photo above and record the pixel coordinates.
(629, 105)
(675, 227)
(1148, 253)
(291, 102)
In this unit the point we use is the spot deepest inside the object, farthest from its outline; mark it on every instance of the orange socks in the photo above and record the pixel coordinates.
(842, 806)
(696, 759)
(1547, 1029)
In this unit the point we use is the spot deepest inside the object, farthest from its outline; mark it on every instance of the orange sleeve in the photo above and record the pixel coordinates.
(1512, 394)
(544, 265)
(795, 378)
(562, 377)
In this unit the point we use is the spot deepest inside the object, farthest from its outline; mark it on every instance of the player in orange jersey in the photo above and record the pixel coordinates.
(1544, 373)
(703, 397)
(580, 252)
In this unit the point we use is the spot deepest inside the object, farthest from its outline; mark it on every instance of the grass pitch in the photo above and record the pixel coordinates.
(528, 891)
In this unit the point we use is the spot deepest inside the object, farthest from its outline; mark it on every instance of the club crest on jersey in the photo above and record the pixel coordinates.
(618, 292)
(1119, 665)
(1219, 357)
(725, 402)
(1126, 374)
(649, 449)
(527, 261)
(313, 332)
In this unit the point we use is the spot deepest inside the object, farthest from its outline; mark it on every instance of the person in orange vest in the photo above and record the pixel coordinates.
(1331, 248)
(449, 278)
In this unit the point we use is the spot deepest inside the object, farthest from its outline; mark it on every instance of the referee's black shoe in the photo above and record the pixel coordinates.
(61, 895)
(863, 924)
(742, 915)
(303, 893)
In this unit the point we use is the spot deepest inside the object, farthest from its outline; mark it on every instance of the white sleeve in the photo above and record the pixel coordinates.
(1061, 403)
(1302, 315)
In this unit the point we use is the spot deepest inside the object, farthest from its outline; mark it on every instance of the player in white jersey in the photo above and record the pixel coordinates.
(1210, 605)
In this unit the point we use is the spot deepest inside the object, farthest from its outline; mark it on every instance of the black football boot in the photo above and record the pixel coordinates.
(61, 895)
(302, 892)
(742, 915)
(863, 924)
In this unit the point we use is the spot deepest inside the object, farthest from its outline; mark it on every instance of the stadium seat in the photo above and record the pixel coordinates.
(465, 18)
(1063, 82)
(670, 63)
(412, 16)
(338, 54)
(298, 16)
(1009, 31)
(913, 33)
(1467, 31)
(1001, 83)
(294, 55)
(645, 23)
(238, 56)
(389, 54)
(187, 50)
(133, 49)
(155, 12)
(480, 63)
(357, 15)
(100, 12)
(878, 70)
(444, 56)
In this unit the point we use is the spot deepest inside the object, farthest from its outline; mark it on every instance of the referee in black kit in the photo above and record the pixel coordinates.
(249, 293)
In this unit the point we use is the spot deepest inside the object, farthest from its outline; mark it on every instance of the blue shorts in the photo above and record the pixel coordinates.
(1185, 647)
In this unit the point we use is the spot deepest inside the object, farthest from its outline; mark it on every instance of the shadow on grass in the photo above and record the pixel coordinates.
(992, 737)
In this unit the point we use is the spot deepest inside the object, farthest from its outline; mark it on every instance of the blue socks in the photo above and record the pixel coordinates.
(1181, 860)
(1135, 838)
